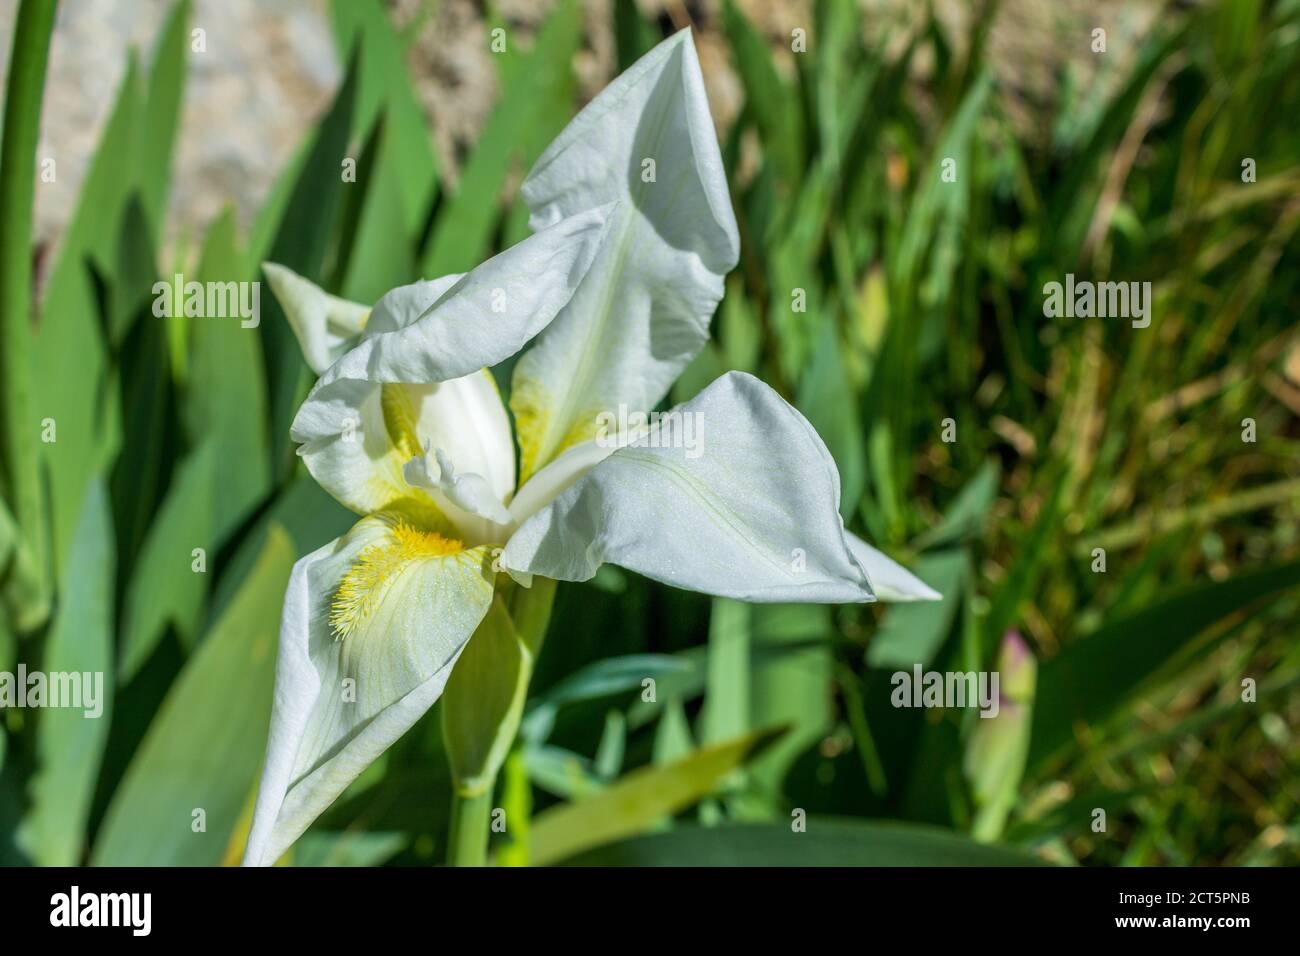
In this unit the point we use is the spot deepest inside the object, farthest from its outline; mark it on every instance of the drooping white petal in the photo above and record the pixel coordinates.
(372, 624)
(403, 305)
(740, 499)
(642, 313)
(484, 317)
(356, 437)
(889, 580)
(326, 326)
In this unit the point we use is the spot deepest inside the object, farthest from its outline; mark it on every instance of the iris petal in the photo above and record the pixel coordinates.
(372, 624)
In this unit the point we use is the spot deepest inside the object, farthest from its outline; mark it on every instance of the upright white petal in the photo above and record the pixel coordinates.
(741, 499)
(372, 625)
(642, 313)
(326, 326)
(889, 580)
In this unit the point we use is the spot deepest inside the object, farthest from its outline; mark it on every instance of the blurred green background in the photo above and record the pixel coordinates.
(771, 737)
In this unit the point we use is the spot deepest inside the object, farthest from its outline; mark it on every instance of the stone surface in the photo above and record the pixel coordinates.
(268, 69)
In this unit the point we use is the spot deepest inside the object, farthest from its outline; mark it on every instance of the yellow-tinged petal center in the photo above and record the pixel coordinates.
(399, 418)
(377, 566)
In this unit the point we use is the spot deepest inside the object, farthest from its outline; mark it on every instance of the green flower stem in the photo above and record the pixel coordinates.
(531, 610)
(470, 813)
(482, 708)
(27, 594)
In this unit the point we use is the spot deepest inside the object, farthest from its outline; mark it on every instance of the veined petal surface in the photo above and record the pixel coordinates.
(372, 624)
(405, 304)
(642, 313)
(740, 499)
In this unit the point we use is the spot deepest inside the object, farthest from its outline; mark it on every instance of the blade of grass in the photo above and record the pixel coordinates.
(162, 112)
(637, 800)
(533, 86)
(74, 387)
(726, 698)
(70, 741)
(301, 242)
(384, 89)
(1086, 682)
(188, 782)
(19, 429)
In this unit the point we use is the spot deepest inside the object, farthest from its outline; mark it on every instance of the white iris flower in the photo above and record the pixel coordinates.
(634, 233)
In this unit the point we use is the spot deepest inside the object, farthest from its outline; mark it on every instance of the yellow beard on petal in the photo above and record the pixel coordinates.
(363, 587)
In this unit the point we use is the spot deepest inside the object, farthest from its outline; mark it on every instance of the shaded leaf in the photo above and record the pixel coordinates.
(637, 800)
(827, 842)
(1091, 678)
(70, 740)
(204, 748)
